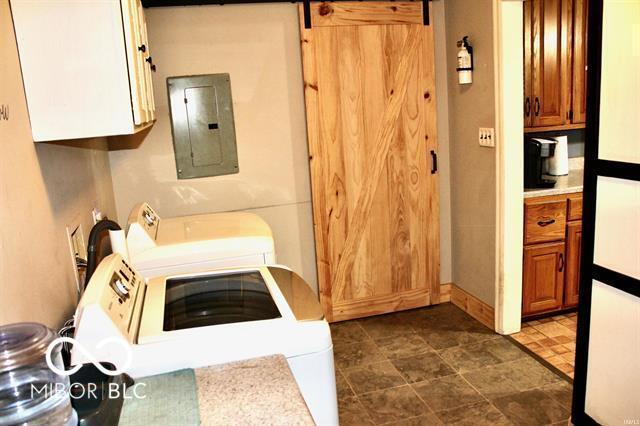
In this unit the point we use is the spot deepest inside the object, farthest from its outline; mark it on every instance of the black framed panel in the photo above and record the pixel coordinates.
(595, 168)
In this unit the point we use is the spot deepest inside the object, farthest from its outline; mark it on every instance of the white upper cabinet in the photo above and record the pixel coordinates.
(86, 67)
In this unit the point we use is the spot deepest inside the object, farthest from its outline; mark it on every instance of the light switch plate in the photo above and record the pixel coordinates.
(487, 137)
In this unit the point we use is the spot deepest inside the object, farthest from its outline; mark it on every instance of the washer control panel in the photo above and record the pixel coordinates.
(119, 292)
(148, 220)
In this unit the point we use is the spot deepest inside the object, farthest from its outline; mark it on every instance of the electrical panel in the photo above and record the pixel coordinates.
(204, 135)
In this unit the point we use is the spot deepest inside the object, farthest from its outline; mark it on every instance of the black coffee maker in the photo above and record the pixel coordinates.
(536, 154)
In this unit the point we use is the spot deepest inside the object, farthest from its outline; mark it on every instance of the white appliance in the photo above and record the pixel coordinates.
(559, 162)
(208, 318)
(161, 246)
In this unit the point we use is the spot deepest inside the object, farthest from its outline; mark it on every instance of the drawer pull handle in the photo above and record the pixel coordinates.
(561, 261)
(546, 222)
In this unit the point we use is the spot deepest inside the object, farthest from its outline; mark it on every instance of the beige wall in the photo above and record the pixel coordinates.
(444, 157)
(473, 168)
(258, 44)
(43, 188)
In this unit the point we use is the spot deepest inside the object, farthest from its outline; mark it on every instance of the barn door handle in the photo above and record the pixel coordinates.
(561, 262)
(434, 162)
(537, 106)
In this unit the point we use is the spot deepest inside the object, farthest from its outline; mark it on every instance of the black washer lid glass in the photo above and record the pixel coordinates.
(217, 299)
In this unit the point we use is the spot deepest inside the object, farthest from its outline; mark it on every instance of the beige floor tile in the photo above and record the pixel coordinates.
(556, 360)
(547, 342)
(553, 329)
(559, 349)
(546, 353)
(565, 368)
(522, 338)
(534, 346)
(537, 336)
(563, 339)
(569, 356)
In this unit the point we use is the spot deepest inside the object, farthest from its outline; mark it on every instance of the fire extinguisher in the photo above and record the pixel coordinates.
(465, 61)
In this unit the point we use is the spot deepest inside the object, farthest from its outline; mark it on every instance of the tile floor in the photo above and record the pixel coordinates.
(553, 339)
(437, 365)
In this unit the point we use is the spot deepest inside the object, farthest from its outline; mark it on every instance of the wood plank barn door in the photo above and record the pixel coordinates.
(371, 121)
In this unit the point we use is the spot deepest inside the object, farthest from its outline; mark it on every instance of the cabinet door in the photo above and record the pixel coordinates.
(135, 49)
(550, 68)
(543, 282)
(147, 64)
(572, 278)
(528, 84)
(579, 65)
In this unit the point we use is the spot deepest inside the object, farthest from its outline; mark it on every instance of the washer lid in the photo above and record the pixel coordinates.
(23, 344)
(216, 226)
(205, 300)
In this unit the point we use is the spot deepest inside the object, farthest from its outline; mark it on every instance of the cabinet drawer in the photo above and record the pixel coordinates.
(575, 207)
(544, 220)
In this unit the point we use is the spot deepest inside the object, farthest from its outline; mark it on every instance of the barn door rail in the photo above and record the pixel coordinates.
(306, 6)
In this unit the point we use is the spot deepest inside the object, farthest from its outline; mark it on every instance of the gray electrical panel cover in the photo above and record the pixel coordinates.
(204, 134)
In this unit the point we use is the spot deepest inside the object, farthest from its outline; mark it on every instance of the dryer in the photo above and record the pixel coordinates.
(214, 317)
(160, 246)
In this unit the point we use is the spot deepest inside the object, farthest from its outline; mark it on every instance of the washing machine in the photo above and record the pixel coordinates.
(163, 324)
(161, 246)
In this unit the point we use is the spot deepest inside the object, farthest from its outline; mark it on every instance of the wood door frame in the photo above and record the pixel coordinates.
(331, 283)
(508, 55)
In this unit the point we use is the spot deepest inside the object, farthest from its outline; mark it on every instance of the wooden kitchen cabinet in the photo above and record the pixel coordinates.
(572, 276)
(545, 220)
(551, 263)
(578, 112)
(543, 278)
(86, 67)
(555, 34)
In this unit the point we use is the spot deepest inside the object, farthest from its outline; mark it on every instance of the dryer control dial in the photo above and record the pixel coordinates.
(121, 289)
(149, 218)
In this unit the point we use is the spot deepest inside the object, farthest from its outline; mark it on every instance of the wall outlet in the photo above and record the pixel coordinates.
(97, 215)
(78, 251)
(486, 137)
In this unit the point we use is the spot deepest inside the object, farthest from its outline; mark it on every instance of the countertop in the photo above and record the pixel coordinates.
(564, 184)
(257, 391)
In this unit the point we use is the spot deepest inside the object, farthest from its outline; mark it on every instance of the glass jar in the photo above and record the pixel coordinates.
(30, 392)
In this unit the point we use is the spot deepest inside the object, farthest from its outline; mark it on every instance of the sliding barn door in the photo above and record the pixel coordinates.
(371, 120)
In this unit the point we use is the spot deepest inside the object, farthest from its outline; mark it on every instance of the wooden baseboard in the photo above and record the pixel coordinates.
(445, 292)
(384, 304)
(473, 306)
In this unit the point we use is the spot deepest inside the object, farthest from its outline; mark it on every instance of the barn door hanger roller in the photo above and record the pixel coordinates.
(307, 12)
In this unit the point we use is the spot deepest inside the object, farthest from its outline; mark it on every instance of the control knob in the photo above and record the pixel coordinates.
(149, 218)
(121, 289)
